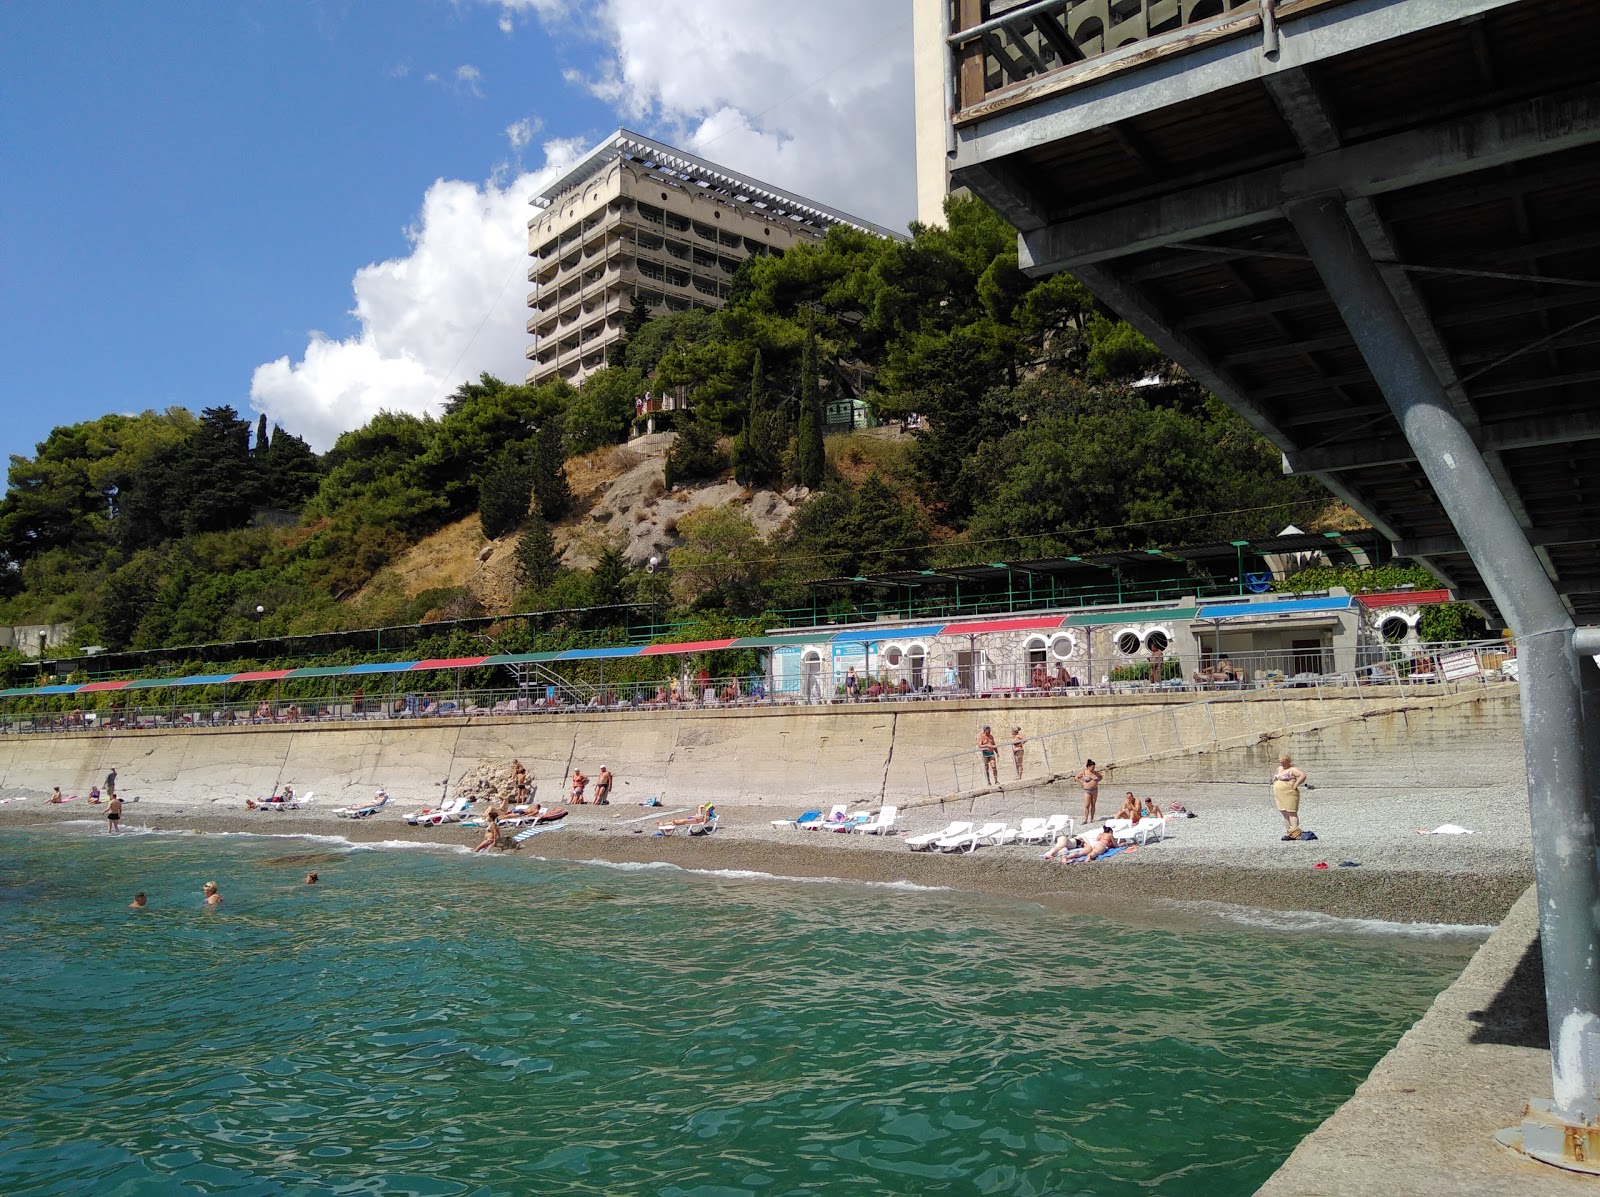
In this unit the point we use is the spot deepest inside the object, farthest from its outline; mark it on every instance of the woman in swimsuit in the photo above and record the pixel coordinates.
(1089, 778)
(491, 833)
(1286, 783)
(1017, 746)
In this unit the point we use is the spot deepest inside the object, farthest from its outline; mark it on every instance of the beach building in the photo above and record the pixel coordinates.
(637, 219)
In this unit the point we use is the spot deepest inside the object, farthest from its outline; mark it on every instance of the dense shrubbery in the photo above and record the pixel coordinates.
(167, 528)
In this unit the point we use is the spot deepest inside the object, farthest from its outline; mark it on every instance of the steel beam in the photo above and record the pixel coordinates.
(1531, 433)
(1528, 128)
(1538, 537)
(1556, 740)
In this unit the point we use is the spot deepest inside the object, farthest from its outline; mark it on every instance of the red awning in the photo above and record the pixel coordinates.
(92, 686)
(1028, 624)
(449, 663)
(694, 646)
(260, 675)
(1403, 598)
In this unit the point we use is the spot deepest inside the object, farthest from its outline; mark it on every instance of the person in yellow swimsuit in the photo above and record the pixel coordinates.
(1286, 783)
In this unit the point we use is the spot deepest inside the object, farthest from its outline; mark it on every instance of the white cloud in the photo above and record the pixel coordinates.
(506, 25)
(449, 310)
(469, 77)
(520, 133)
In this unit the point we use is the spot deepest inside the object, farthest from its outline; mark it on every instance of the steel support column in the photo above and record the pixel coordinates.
(1555, 741)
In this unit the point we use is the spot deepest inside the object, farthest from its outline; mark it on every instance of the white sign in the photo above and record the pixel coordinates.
(1458, 665)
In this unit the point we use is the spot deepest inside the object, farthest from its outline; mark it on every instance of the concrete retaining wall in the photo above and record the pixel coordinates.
(778, 755)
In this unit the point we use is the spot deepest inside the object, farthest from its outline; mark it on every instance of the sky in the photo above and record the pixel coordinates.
(317, 209)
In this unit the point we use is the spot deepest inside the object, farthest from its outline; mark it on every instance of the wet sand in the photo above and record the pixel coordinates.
(1234, 859)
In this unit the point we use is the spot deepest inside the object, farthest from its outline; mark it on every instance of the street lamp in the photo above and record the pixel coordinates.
(260, 611)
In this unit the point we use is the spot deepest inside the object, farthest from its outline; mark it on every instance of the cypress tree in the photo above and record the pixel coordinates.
(809, 456)
(551, 494)
(262, 443)
(755, 449)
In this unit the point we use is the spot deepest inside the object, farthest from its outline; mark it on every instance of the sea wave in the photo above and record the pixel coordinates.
(639, 866)
(1315, 921)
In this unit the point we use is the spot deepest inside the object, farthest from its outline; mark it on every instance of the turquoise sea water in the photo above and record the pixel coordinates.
(430, 1023)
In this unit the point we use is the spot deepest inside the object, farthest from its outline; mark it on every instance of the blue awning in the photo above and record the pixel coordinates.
(1295, 606)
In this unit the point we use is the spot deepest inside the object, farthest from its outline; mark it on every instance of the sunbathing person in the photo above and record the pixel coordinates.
(702, 814)
(1151, 810)
(1129, 809)
(491, 832)
(1100, 844)
(1065, 843)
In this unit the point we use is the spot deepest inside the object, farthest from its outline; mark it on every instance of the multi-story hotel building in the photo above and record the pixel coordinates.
(638, 218)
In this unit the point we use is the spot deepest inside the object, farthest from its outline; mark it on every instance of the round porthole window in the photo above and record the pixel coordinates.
(1156, 641)
(1127, 643)
(1061, 647)
(892, 655)
(1393, 629)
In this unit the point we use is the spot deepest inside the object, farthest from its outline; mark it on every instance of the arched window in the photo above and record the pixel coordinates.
(1035, 650)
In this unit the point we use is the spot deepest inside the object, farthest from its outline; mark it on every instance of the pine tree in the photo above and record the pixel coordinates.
(537, 558)
(809, 455)
(504, 497)
(608, 576)
(551, 494)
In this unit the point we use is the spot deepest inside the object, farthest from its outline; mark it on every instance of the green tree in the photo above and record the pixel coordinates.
(551, 493)
(608, 577)
(723, 562)
(538, 561)
(694, 453)
(602, 411)
(290, 472)
(504, 497)
(810, 459)
(755, 455)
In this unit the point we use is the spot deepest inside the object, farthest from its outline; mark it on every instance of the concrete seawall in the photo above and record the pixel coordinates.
(785, 756)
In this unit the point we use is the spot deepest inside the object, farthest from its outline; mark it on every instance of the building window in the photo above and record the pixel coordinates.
(1156, 641)
(892, 655)
(1033, 652)
(1062, 646)
(1128, 643)
(1393, 629)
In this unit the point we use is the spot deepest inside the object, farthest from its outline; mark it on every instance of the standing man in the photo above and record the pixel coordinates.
(111, 783)
(1157, 659)
(991, 756)
(1089, 778)
(602, 787)
(113, 814)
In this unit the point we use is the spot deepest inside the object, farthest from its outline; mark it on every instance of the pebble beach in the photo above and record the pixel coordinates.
(1229, 855)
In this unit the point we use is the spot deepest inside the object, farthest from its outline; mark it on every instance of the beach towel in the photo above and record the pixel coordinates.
(1445, 829)
(1106, 855)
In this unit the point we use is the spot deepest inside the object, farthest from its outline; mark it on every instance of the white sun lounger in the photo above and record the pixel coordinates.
(1057, 825)
(1031, 831)
(360, 810)
(451, 812)
(1138, 833)
(926, 841)
(969, 841)
(883, 824)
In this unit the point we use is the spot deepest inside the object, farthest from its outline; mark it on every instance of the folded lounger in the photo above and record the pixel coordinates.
(807, 819)
(926, 841)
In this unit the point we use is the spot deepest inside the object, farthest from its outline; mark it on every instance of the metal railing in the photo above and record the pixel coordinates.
(346, 700)
(1254, 699)
(997, 43)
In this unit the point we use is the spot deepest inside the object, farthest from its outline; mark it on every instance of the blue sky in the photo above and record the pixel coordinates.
(313, 208)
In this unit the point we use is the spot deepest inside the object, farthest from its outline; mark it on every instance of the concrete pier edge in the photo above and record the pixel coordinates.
(1423, 1121)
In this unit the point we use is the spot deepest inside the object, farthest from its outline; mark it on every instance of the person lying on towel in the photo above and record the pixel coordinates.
(1096, 847)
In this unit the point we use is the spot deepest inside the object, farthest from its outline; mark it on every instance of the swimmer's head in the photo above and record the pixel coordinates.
(210, 887)
(311, 878)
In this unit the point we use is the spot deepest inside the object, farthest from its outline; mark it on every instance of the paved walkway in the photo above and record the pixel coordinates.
(1423, 1122)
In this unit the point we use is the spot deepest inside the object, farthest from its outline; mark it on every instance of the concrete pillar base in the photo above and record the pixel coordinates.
(1547, 1137)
